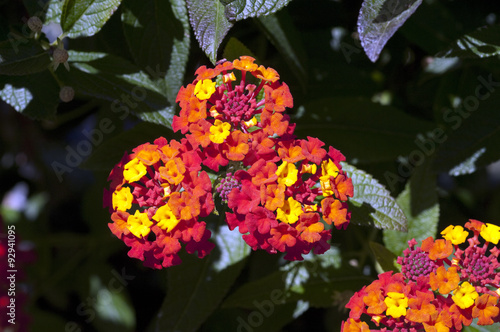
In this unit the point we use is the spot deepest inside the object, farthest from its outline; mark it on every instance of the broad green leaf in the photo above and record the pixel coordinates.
(22, 58)
(475, 138)
(420, 226)
(481, 43)
(180, 53)
(285, 38)
(384, 211)
(378, 21)
(196, 287)
(116, 80)
(237, 10)
(385, 258)
(209, 24)
(314, 280)
(36, 95)
(54, 11)
(351, 124)
(86, 17)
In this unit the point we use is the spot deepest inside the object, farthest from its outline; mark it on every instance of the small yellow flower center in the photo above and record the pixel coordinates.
(122, 199)
(139, 224)
(219, 131)
(490, 233)
(455, 234)
(396, 304)
(204, 89)
(290, 211)
(287, 174)
(464, 295)
(166, 218)
(134, 170)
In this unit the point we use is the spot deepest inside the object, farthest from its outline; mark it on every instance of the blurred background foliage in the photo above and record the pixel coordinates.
(415, 110)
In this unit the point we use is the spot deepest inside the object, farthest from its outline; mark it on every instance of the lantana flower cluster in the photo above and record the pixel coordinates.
(282, 193)
(158, 193)
(443, 285)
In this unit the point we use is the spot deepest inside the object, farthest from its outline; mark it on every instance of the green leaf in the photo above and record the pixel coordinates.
(385, 258)
(481, 43)
(475, 138)
(384, 211)
(36, 95)
(349, 123)
(378, 21)
(209, 24)
(420, 226)
(237, 10)
(423, 187)
(180, 53)
(86, 17)
(314, 280)
(196, 287)
(22, 57)
(152, 28)
(116, 80)
(284, 36)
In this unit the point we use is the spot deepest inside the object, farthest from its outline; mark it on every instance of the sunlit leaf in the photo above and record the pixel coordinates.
(384, 211)
(22, 57)
(86, 17)
(28, 95)
(241, 9)
(481, 43)
(378, 21)
(54, 11)
(209, 23)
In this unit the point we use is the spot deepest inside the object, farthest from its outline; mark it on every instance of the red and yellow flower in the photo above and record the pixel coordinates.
(156, 197)
(435, 292)
(283, 193)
